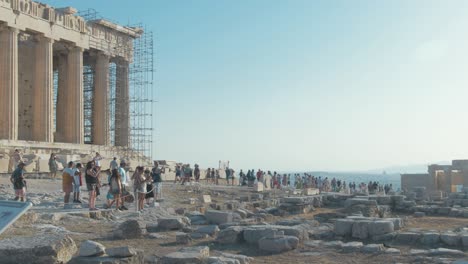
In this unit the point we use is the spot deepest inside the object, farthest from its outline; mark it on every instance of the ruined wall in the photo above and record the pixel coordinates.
(408, 181)
(26, 63)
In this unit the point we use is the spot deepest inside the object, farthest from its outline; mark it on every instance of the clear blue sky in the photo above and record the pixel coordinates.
(306, 85)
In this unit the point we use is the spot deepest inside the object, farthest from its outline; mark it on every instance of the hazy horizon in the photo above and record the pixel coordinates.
(305, 85)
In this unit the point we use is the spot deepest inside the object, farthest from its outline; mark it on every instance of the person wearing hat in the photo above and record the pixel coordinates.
(19, 183)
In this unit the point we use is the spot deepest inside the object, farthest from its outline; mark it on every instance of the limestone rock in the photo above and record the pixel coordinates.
(135, 259)
(419, 214)
(393, 251)
(175, 223)
(451, 239)
(192, 255)
(407, 238)
(90, 248)
(51, 249)
(131, 229)
(230, 235)
(360, 229)
(445, 251)
(278, 244)
(221, 260)
(430, 239)
(352, 247)
(219, 217)
(343, 227)
(373, 248)
(183, 238)
(253, 234)
(121, 252)
(211, 230)
(241, 258)
(381, 227)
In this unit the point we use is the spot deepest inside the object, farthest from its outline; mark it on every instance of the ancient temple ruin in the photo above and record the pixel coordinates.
(65, 78)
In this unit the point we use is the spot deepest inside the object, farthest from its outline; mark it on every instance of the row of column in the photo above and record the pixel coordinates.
(69, 109)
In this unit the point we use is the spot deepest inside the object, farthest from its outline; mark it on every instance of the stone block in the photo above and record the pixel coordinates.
(258, 187)
(446, 252)
(253, 234)
(451, 239)
(135, 259)
(230, 235)
(206, 198)
(352, 247)
(407, 238)
(430, 239)
(211, 230)
(173, 223)
(381, 227)
(183, 238)
(191, 255)
(241, 258)
(360, 229)
(343, 227)
(218, 217)
(359, 201)
(121, 252)
(132, 229)
(90, 248)
(373, 248)
(419, 214)
(53, 249)
(393, 251)
(278, 244)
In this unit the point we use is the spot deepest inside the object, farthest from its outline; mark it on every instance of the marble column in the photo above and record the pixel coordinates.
(8, 83)
(100, 120)
(122, 105)
(74, 127)
(43, 91)
(61, 106)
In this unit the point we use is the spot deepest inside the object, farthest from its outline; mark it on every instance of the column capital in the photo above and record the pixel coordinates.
(5, 27)
(42, 38)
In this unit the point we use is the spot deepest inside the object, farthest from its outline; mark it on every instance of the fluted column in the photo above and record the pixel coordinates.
(9, 83)
(122, 105)
(101, 101)
(61, 106)
(43, 91)
(74, 129)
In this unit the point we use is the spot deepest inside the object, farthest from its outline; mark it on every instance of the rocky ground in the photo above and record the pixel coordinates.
(268, 227)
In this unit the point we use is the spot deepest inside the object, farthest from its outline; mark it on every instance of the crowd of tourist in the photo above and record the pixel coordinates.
(147, 184)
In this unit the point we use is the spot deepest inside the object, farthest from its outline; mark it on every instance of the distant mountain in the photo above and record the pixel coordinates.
(414, 168)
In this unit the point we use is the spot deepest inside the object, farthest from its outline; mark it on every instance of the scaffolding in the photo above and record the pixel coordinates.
(141, 91)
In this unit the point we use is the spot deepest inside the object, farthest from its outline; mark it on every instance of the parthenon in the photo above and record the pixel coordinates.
(37, 42)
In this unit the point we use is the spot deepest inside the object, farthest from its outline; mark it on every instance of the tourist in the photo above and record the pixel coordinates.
(149, 187)
(53, 166)
(115, 188)
(215, 175)
(139, 186)
(67, 181)
(196, 173)
(208, 176)
(157, 181)
(97, 160)
(187, 174)
(15, 159)
(19, 183)
(124, 181)
(177, 174)
(77, 182)
(228, 175)
(92, 181)
(113, 164)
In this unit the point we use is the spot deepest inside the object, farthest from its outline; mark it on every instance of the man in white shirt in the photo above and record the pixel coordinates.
(113, 164)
